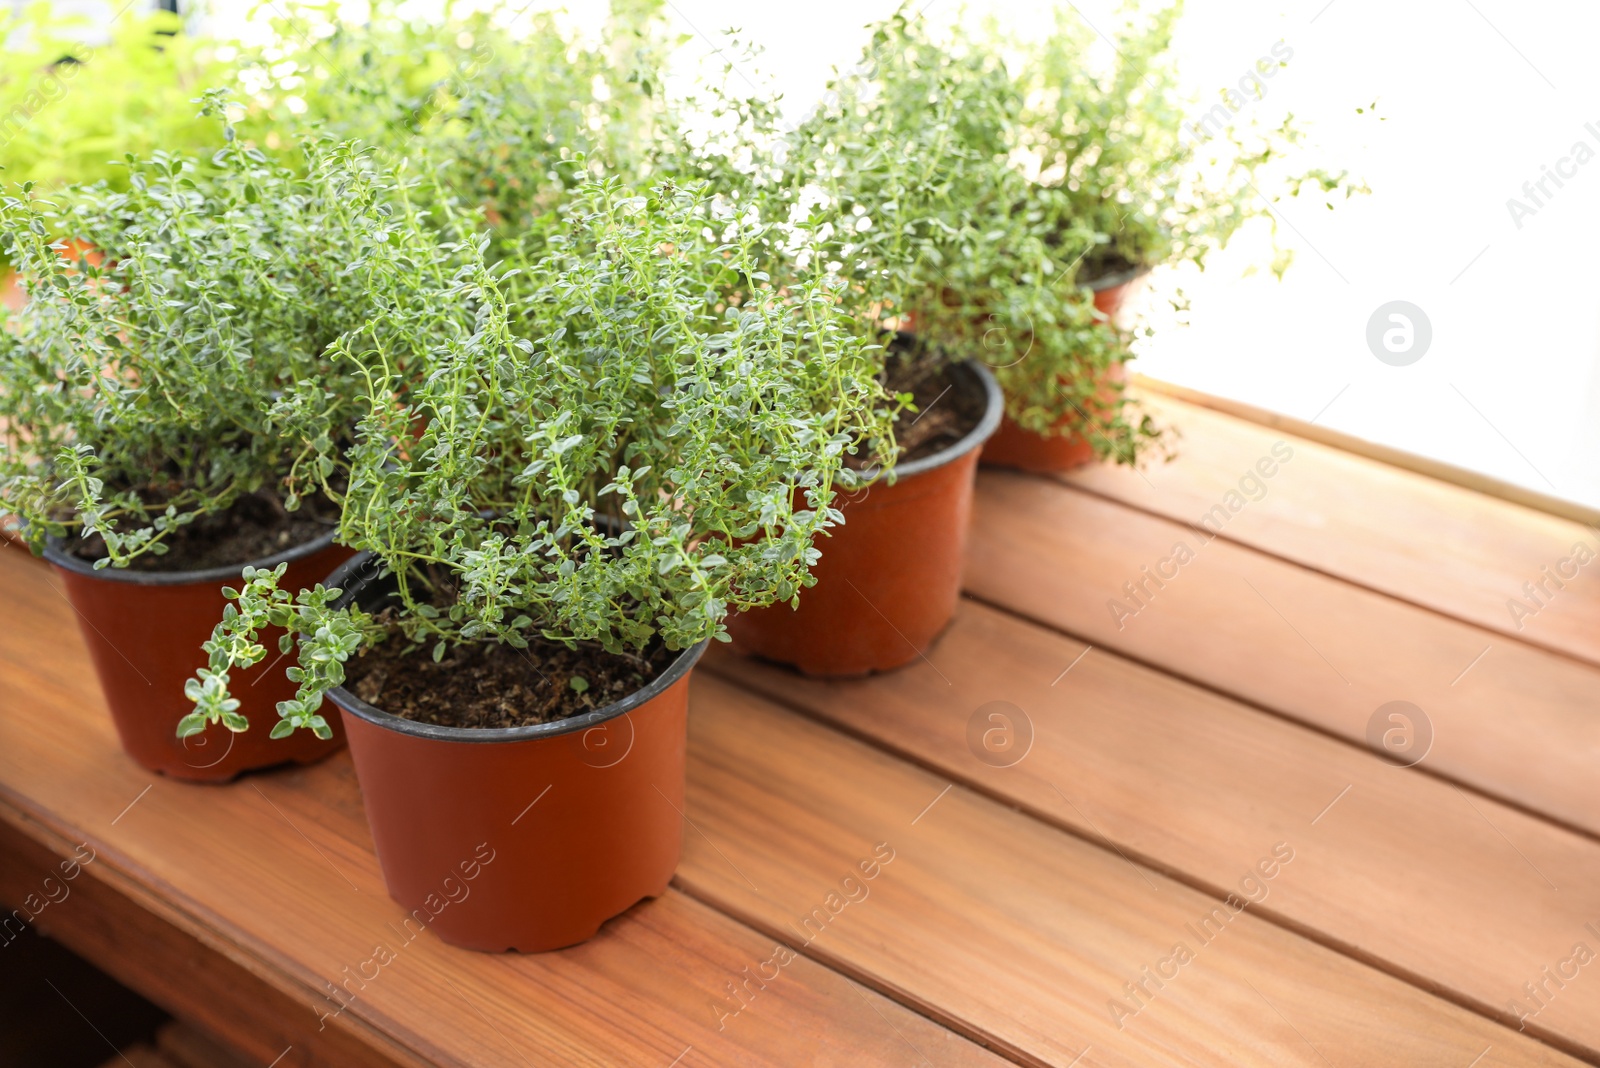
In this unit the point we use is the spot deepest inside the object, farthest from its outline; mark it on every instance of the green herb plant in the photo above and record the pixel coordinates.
(187, 368)
(1128, 172)
(511, 109)
(871, 186)
(973, 187)
(1121, 179)
(649, 436)
(70, 110)
(907, 169)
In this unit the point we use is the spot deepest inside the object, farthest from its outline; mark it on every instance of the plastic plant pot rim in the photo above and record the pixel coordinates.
(354, 705)
(994, 408)
(55, 552)
(1111, 281)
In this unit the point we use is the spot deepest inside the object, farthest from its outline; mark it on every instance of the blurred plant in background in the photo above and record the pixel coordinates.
(1114, 154)
(70, 111)
(511, 108)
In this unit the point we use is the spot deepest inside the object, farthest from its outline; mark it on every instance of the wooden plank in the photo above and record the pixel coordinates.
(989, 918)
(107, 920)
(1451, 891)
(1389, 456)
(1445, 547)
(1514, 721)
(187, 1047)
(140, 1056)
(274, 877)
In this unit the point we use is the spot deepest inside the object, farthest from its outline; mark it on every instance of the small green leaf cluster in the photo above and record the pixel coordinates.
(262, 603)
(973, 187)
(510, 108)
(182, 363)
(617, 442)
(68, 109)
(901, 182)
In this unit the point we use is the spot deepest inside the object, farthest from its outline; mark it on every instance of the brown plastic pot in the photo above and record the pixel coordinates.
(144, 630)
(1025, 450)
(889, 578)
(523, 838)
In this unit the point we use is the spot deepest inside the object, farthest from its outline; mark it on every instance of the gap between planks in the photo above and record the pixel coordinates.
(844, 969)
(1334, 576)
(1315, 728)
(1436, 496)
(1132, 854)
(1005, 482)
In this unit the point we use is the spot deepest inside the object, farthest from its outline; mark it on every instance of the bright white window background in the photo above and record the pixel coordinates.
(1510, 385)
(1474, 99)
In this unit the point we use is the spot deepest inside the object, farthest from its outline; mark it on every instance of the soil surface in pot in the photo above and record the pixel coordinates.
(1104, 262)
(486, 685)
(947, 407)
(256, 526)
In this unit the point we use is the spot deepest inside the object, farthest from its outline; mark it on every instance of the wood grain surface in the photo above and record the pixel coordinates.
(1442, 886)
(1515, 721)
(869, 879)
(276, 874)
(992, 920)
(1448, 548)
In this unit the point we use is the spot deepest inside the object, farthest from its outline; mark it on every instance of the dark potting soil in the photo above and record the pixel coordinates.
(949, 405)
(490, 685)
(1103, 262)
(256, 526)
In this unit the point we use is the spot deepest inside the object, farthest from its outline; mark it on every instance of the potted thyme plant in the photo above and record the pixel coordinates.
(554, 514)
(146, 409)
(980, 258)
(1118, 181)
(871, 210)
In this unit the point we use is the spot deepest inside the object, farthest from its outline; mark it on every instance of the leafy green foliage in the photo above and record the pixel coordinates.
(1114, 180)
(1125, 174)
(69, 110)
(900, 180)
(1118, 150)
(979, 259)
(259, 604)
(509, 107)
(817, 205)
(972, 187)
(643, 436)
(188, 367)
